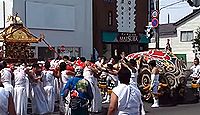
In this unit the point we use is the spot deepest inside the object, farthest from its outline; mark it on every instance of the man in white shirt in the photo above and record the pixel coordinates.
(196, 70)
(125, 98)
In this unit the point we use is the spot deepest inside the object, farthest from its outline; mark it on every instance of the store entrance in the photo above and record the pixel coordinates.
(117, 49)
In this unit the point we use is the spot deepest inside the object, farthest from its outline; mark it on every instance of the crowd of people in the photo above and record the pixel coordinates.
(75, 83)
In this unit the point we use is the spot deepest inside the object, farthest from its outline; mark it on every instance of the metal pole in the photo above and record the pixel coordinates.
(50, 48)
(4, 15)
(157, 37)
(157, 29)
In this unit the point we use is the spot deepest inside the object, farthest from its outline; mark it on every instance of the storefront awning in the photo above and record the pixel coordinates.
(144, 39)
(109, 36)
(119, 37)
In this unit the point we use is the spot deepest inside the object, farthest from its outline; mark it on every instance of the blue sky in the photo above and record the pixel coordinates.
(176, 12)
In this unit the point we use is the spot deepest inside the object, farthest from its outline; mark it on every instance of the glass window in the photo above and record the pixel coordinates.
(187, 36)
(45, 52)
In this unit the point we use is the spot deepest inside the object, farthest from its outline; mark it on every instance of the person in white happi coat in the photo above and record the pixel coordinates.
(132, 66)
(112, 79)
(55, 68)
(20, 94)
(88, 74)
(6, 102)
(196, 70)
(65, 76)
(39, 99)
(6, 78)
(125, 98)
(154, 82)
(48, 83)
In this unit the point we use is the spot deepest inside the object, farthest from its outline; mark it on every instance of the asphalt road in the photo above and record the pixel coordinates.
(180, 109)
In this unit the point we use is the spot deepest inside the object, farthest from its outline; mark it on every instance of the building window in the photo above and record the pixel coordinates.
(70, 51)
(187, 36)
(110, 18)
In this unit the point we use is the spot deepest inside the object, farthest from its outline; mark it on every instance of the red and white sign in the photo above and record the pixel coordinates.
(155, 22)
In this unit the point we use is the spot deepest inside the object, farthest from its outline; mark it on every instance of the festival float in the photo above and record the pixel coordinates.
(17, 40)
(174, 76)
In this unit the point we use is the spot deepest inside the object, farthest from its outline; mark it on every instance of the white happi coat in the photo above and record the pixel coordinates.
(4, 95)
(64, 78)
(195, 71)
(133, 83)
(39, 99)
(154, 83)
(6, 80)
(97, 99)
(48, 83)
(64, 107)
(133, 79)
(113, 78)
(129, 100)
(20, 93)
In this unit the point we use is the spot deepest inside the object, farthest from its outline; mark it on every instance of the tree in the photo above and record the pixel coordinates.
(196, 41)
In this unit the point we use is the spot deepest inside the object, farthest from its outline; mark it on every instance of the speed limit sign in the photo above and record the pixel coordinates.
(154, 14)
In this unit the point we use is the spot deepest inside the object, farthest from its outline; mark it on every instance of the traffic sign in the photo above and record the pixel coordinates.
(154, 22)
(154, 14)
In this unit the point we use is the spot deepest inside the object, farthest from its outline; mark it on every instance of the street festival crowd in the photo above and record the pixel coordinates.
(78, 85)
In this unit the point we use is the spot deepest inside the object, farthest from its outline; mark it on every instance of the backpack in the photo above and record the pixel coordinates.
(76, 101)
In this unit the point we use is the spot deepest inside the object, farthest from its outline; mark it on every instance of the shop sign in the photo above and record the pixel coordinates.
(127, 37)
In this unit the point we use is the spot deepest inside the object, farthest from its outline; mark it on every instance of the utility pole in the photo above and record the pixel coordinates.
(156, 3)
(157, 29)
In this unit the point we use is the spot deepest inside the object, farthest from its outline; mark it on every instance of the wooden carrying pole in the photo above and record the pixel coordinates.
(49, 46)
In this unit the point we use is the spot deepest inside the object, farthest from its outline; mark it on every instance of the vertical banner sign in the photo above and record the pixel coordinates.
(126, 16)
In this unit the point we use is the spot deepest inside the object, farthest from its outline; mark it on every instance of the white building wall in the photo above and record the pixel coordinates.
(186, 47)
(8, 11)
(162, 42)
(179, 47)
(69, 23)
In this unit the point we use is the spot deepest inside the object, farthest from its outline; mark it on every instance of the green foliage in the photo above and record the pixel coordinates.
(196, 41)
